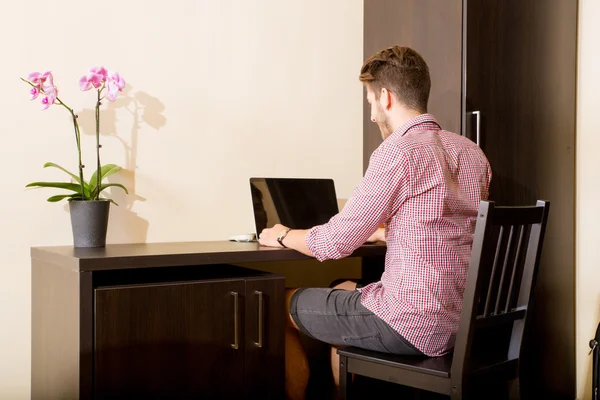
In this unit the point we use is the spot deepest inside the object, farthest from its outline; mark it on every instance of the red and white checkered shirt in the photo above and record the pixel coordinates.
(425, 185)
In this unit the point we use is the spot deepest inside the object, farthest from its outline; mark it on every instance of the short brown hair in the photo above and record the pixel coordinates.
(402, 71)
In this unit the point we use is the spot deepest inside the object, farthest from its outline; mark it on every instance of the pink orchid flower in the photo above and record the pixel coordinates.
(95, 77)
(48, 83)
(48, 100)
(43, 83)
(50, 91)
(99, 76)
(114, 84)
(99, 71)
(92, 79)
(35, 92)
(38, 79)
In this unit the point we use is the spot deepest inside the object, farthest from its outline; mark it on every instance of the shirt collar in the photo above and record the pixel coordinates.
(421, 122)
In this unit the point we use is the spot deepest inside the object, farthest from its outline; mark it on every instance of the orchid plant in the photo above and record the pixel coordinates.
(108, 84)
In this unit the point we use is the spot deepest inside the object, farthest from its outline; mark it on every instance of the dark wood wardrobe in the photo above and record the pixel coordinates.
(504, 74)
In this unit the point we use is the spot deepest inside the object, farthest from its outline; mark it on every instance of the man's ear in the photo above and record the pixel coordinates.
(385, 99)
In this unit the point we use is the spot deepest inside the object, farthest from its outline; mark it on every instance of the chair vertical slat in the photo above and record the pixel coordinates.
(506, 258)
(496, 255)
(514, 269)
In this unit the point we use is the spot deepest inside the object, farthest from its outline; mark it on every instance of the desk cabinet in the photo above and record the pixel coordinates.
(189, 340)
(156, 321)
(159, 320)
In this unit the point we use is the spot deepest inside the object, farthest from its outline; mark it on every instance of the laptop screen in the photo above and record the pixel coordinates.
(298, 203)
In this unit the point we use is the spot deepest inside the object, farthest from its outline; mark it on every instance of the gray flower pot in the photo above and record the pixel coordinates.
(89, 220)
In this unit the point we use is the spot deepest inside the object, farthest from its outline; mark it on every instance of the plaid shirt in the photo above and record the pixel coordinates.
(424, 184)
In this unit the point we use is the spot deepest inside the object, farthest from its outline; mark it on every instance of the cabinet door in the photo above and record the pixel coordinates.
(521, 80)
(433, 28)
(170, 340)
(265, 345)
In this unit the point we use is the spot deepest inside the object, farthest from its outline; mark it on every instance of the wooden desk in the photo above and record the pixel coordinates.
(158, 320)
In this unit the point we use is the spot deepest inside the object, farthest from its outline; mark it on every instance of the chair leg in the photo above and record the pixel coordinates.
(345, 378)
(514, 389)
(457, 393)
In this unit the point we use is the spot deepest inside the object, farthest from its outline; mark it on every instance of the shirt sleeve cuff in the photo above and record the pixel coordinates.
(319, 244)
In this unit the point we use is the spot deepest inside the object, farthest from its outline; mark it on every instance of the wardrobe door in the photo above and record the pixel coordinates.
(432, 28)
(519, 87)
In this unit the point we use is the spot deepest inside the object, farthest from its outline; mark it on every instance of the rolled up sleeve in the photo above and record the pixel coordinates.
(383, 189)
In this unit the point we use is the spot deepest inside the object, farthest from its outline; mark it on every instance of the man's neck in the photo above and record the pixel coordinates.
(402, 116)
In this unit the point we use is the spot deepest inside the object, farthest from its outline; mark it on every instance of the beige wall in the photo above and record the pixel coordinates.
(218, 91)
(588, 191)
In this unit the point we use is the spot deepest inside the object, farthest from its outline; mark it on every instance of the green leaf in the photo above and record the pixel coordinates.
(59, 185)
(59, 197)
(51, 164)
(64, 185)
(112, 201)
(107, 185)
(105, 170)
(113, 184)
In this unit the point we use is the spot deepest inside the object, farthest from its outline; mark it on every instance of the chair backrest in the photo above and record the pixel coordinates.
(499, 289)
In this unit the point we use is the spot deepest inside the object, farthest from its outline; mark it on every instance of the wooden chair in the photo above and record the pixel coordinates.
(499, 288)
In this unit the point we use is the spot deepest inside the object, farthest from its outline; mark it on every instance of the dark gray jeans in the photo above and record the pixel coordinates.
(337, 317)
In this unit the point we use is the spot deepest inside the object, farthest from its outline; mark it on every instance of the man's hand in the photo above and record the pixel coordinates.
(378, 236)
(268, 237)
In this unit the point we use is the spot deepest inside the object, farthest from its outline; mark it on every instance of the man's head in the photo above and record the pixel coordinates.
(397, 82)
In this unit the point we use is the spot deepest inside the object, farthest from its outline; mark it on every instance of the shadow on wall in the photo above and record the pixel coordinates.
(125, 226)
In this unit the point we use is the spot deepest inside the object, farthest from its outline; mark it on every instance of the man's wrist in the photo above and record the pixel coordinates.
(282, 235)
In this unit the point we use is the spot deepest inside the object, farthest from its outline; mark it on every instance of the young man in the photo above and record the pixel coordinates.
(424, 185)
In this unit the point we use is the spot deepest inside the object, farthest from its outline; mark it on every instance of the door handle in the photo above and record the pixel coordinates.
(260, 318)
(235, 344)
(477, 114)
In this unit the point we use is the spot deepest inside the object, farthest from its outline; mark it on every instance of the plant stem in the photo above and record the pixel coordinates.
(78, 140)
(98, 177)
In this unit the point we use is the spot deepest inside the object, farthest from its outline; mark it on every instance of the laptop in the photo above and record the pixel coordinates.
(298, 203)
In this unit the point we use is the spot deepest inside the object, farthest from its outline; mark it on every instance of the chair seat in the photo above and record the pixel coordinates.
(437, 366)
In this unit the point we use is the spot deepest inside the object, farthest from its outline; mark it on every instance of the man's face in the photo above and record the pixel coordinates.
(378, 114)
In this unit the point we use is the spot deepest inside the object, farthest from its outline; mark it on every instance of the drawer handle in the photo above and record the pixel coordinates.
(260, 318)
(235, 344)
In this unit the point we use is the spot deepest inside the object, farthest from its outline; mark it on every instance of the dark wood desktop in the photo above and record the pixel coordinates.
(160, 320)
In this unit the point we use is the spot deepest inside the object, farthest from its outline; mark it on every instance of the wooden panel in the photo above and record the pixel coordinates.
(521, 75)
(169, 341)
(265, 345)
(431, 27)
(150, 255)
(86, 336)
(57, 299)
